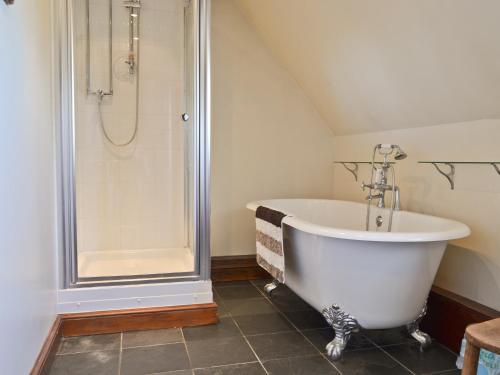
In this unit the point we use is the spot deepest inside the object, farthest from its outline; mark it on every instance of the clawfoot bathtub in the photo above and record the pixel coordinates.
(357, 278)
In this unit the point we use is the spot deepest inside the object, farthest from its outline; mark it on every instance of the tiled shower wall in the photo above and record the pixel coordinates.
(131, 197)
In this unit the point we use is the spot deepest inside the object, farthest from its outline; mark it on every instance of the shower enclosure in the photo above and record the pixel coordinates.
(134, 139)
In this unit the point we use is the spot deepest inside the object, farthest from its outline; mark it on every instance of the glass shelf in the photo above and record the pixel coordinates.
(460, 162)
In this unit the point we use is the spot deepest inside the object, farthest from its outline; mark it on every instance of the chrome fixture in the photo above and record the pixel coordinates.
(353, 166)
(132, 61)
(413, 329)
(268, 288)
(343, 324)
(400, 154)
(450, 175)
(379, 181)
(133, 7)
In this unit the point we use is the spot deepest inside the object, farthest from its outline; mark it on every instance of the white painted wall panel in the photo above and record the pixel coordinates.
(27, 214)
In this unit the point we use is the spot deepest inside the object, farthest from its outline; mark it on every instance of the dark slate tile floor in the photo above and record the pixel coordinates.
(256, 335)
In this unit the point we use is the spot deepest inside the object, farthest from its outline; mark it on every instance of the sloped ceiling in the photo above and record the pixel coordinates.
(372, 65)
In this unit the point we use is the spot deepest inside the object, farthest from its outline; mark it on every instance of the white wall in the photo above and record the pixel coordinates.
(131, 197)
(268, 140)
(387, 64)
(471, 267)
(27, 233)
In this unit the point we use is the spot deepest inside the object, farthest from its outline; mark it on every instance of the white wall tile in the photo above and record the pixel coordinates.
(131, 197)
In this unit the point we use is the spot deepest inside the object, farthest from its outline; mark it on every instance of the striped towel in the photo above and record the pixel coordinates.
(269, 236)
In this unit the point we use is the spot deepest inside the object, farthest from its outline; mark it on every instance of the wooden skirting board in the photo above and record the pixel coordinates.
(49, 349)
(114, 321)
(447, 316)
(232, 268)
(138, 319)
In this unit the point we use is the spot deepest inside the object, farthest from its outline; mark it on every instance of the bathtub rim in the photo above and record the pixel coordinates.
(457, 229)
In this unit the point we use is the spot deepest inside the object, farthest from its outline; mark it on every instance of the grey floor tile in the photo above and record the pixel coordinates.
(238, 292)
(220, 351)
(225, 328)
(241, 369)
(250, 306)
(178, 372)
(321, 337)
(151, 337)
(221, 309)
(285, 300)
(313, 365)
(154, 359)
(91, 363)
(280, 345)
(434, 359)
(369, 362)
(82, 344)
(309, 319)
(263, 323)
(393, 336)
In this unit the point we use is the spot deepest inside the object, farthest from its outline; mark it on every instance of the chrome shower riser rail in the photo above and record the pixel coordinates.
(90, 91)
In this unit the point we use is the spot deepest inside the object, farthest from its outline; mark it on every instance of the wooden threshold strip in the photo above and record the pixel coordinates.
(98, 322)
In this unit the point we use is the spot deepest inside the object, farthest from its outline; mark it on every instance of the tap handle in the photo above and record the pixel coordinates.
(363, 186)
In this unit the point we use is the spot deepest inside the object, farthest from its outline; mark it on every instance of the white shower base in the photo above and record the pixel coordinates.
(104, 263)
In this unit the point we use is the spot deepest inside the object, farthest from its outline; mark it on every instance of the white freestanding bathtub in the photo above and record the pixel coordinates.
(358, 278)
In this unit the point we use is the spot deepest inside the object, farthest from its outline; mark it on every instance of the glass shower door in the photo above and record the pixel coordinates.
(136, 139)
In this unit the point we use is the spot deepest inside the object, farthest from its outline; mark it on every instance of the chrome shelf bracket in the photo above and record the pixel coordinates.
(450, 176)
(354, 169)
(497, 168)
(451, 164)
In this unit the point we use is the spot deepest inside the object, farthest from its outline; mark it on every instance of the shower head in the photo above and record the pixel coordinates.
(387, 149)
(400, 154)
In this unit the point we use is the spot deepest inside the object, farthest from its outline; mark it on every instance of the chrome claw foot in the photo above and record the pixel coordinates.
(423, 338)
(268, 288)
(343, 324)
(335, 348)
(413, 329)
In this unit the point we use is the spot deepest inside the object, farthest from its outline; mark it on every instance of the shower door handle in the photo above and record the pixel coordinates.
(185, 117)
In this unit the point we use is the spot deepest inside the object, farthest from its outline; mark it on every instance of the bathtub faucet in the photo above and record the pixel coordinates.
(380, 195)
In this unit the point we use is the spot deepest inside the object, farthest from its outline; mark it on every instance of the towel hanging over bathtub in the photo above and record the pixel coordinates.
(269, 241)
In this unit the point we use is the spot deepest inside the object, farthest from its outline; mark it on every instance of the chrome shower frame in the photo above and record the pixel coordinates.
(64, 99)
